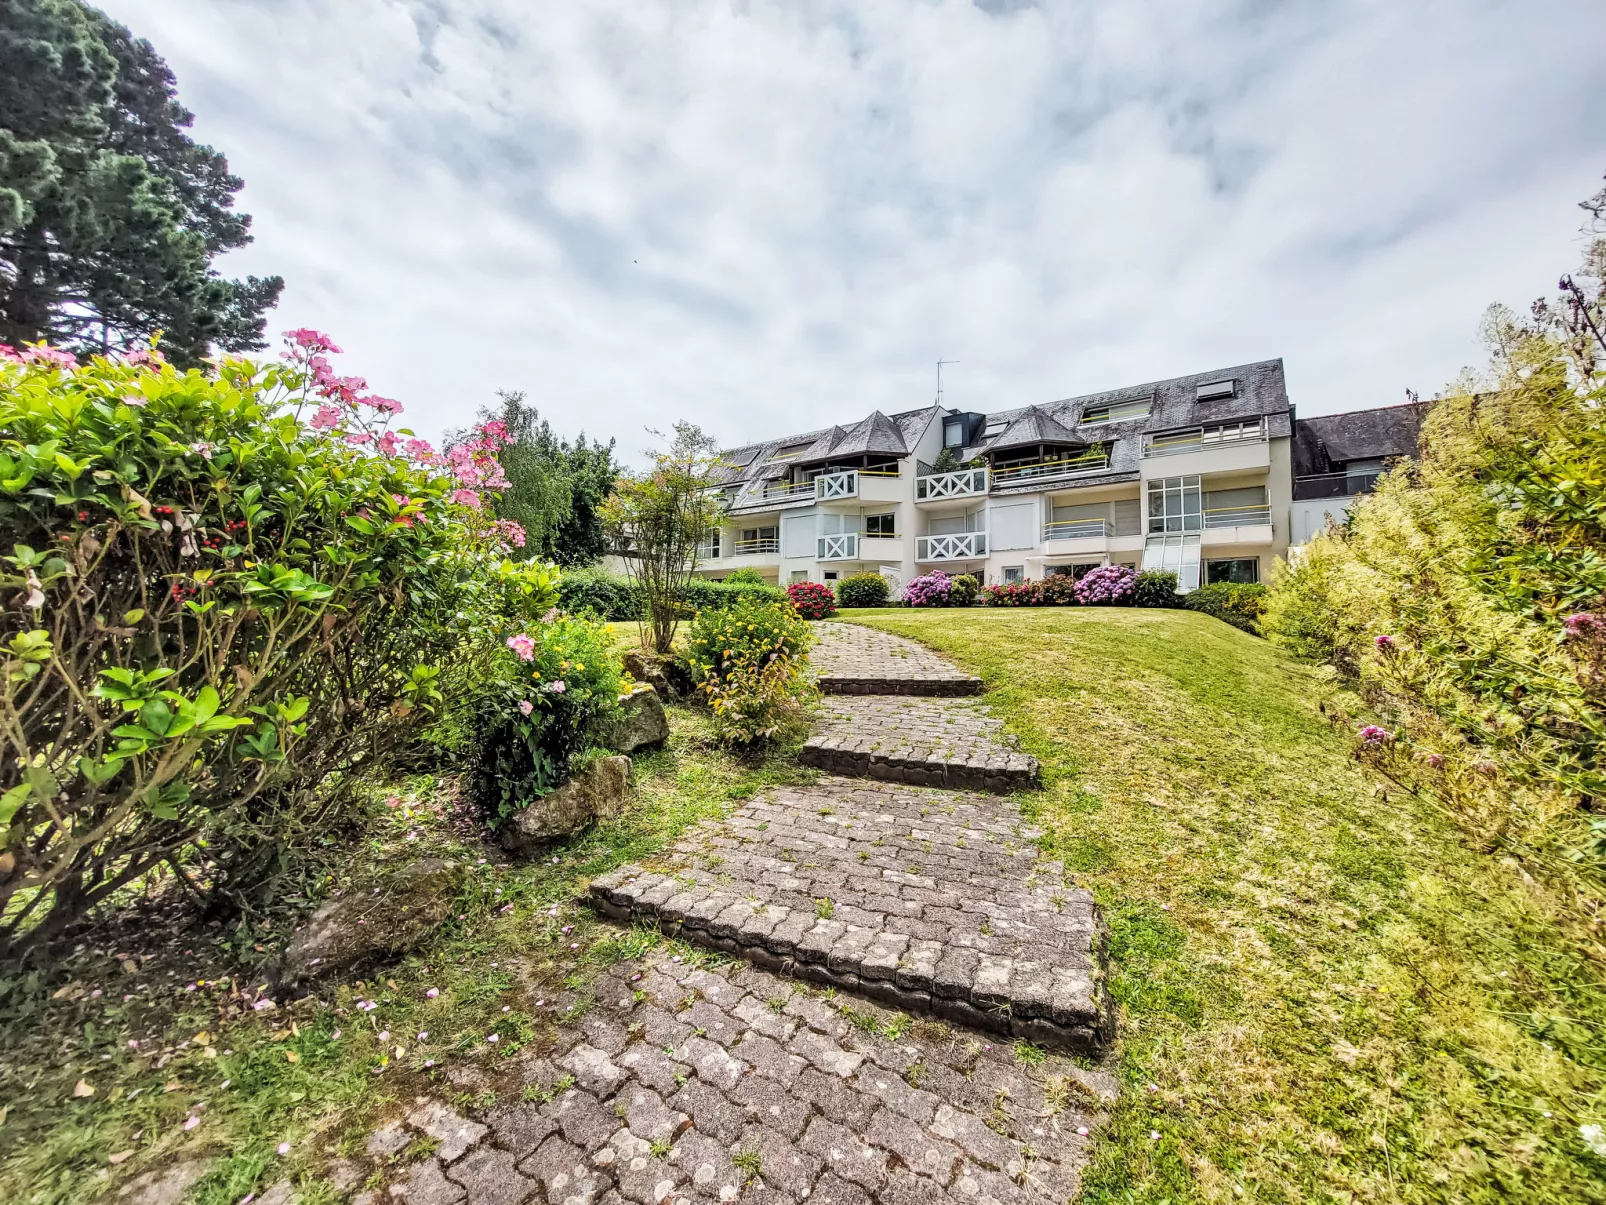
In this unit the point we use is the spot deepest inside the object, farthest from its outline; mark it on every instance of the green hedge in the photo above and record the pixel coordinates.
(604, 596)
(1237, 604)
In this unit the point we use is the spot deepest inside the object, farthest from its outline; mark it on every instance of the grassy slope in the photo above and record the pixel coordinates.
(509, 949)
(1328, 997)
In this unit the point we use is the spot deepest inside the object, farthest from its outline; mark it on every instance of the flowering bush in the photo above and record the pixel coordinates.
(1057, 590)
(1155, 588)
(862, 590)
(813, 600)
(1014, 594)
(963, 591)
(932, 590)
(1108, 585)
(748, 661)
(229, 595)
(542, 699)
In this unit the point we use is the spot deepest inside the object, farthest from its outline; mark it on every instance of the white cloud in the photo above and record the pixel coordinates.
(766, 217)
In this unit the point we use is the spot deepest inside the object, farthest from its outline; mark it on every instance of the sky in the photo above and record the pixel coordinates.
(771, 217)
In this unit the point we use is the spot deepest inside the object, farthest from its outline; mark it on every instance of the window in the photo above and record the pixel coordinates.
(708, 548)
(1116, 411)
(1177, 554)
(1234, 508)
(885, 526)
(830, 575)
(1128, 516)
(1211, 390)
(993, 428)
(758, 533)
(953, 433)
(799, 575)
(1243, 571)
(1174, 504)
(1014, 575)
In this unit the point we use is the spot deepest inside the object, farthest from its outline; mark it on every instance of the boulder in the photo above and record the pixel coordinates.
(373, 923)
(596, 793)
(642, 723)
(661, 671)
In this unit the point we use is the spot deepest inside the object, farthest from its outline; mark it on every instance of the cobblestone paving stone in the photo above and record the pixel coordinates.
(727, 1083)
(928, 901)
(853, 660)
(929, 742)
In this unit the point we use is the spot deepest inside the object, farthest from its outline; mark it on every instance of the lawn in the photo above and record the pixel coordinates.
(1327, 995)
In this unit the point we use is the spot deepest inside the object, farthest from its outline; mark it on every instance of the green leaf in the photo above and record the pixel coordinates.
(206, 704)
(12, 800)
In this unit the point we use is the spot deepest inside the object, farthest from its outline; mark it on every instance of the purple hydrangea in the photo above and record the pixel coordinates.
(929, 591)
(1107, 585)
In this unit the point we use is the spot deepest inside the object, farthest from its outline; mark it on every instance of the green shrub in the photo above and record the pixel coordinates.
(748, 662)
(1155, 588)
(745, 576)
(1057, 590)
(545, 698)
(963, 591)
(1301, 613)
(224, 615)
(1236, 603)
(862, 590)
(607, 596)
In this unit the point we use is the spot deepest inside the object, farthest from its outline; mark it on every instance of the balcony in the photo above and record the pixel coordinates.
(1316, 486)
(786, 492)
(755, 547)
(864, 485)
(843, 547)
(1077, 529)
(960, 546)
(966, 483)
(1196, 439)
(1047, 470)
(1236, 516)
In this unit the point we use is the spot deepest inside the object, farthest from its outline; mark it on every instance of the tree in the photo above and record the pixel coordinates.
(555, 487)
(660, 517)
(110, 215)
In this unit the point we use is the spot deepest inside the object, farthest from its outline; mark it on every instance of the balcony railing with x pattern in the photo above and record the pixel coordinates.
(959, 546)
(965, 483)
(843, 547)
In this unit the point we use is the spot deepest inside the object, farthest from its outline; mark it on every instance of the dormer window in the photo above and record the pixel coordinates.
(1211, 390)
(953, 433)
(1114, 413)
(993, 428)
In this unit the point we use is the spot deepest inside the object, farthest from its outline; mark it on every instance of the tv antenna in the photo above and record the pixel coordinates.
(940, 363)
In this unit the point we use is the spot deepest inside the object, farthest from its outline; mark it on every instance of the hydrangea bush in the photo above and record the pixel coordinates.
(228, 595)
(1013, 594)
(930, 590)
(749, 663)
(862, 590)
(813, 600)
(1108, 585)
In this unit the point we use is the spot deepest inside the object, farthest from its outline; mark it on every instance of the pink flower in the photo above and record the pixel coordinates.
(202, 449)
(1579, 624)
(510, 532)
(388, 404)
(358, 439)
(432, 993)
(1374, 735)
(557, 687)
(1436, 760)
(284, 1148)
(325, 418)
(191, 1122)
(523, 645)
(387, 444)
(466, 498)
(1385, 644)
(50, 357)
(310, 340)
(135, 399)
(525, 706)
(420, 450)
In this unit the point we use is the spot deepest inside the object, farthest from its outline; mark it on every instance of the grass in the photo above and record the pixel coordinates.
(1326, 994)
(319, 1074)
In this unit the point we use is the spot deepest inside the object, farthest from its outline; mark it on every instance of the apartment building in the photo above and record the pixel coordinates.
(1192, 474)
(1339, 457)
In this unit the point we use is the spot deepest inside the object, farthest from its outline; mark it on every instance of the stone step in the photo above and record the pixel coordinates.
(854, 660)
(923, 742)
(945, 686)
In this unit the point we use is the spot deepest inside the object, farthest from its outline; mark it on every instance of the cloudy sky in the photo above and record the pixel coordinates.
(773, 216)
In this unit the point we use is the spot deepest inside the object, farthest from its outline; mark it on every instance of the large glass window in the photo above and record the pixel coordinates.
(1174, 504)
(1014, 574)
(1177, 554)
(1243, 571)
(881, 525)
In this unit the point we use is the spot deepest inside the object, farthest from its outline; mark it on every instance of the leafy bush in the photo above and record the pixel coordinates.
(1301, 611)
(607, 596)
(745, 576)
(544, 699)
(1155, 588)
(748, 661)
(221, 615)
(963, 591)
(1057, 590)
(813, 600)
(862, 590)
(931, 590)
(1018, 594)
(1108, 585)
(1237, 603)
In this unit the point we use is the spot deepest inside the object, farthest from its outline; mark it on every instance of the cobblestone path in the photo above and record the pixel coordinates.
(731, 1084)
(855, 660)
(929, 742)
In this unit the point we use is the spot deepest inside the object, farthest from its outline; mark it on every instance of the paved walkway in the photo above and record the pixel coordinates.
(854, 660)
(928, 742)
(731, 1084)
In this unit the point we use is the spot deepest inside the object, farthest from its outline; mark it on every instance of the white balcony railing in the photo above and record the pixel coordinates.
(965, 483)
(960, 546)
(785, 492)
(1070, 466)
(1076, 529)
(754, 547)
(828, 487)
(1196, 439)
(843, 547)
(1237, 516)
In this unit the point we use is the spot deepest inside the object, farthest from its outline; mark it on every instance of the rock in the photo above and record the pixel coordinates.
(596, 793)
(373, 923)
(641, 723)
(661, 671)
(164, 1185)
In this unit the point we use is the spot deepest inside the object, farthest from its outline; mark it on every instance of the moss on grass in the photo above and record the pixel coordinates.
(1327, 995)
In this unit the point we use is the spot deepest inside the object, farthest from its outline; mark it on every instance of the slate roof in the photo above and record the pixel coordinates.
(1325, 444)
(1034, 426)
(879, 434)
